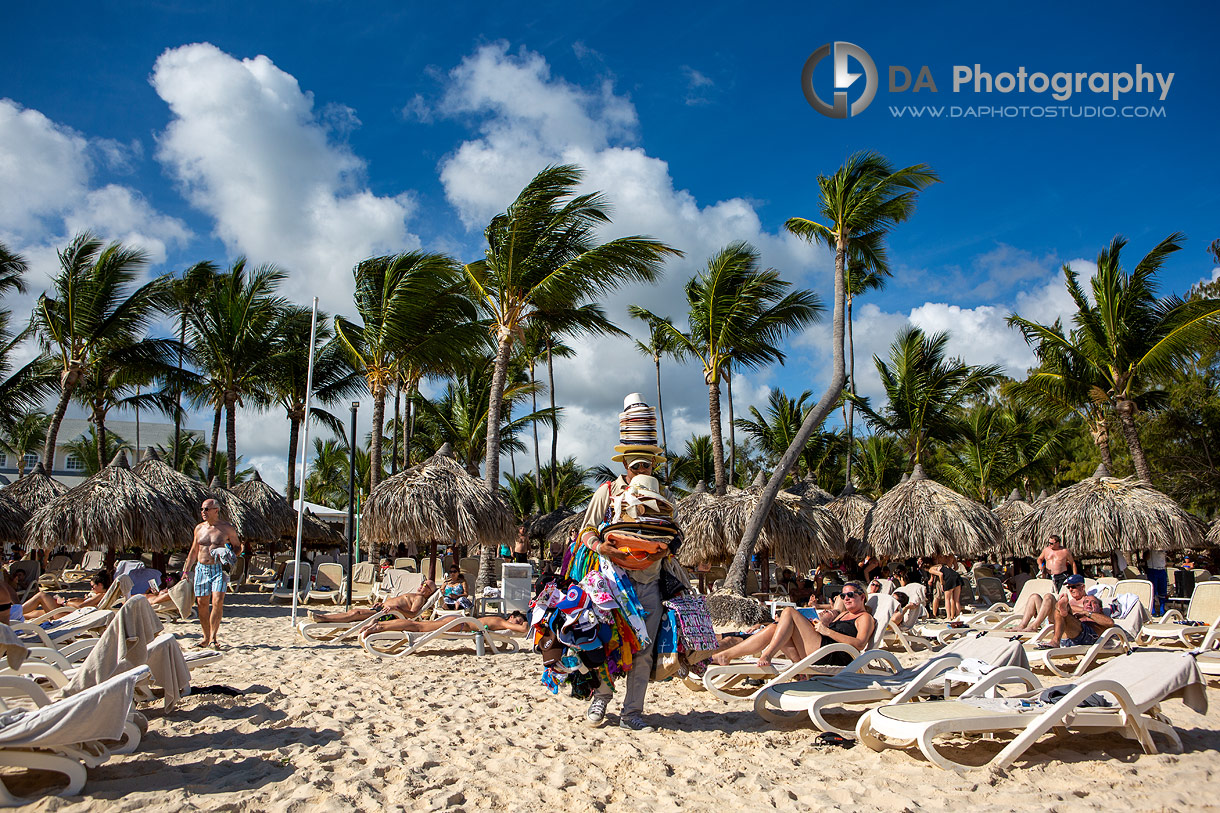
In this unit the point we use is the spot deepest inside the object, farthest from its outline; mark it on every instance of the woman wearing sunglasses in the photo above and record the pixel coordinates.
(797, 636)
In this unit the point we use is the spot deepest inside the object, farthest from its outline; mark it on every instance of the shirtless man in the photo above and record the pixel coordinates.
(1079, 618)
(209, 577)
(521, 546)
(409, 604)
(1056, 562)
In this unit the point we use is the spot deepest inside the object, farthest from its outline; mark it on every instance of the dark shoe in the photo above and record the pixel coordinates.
(635, 723)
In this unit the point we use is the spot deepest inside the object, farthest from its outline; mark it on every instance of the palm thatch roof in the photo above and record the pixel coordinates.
(1103, 514)
(13, 517)
(437, 500)
(274, 507)
(1213, 535)
(35, 489)
(810, 490)
(541, 527)
(1012, 510)
(316, 533)
(921, 517)
(170, 483)
(112, 509)
(564, 529)
(851, 509)
(796, 533)
(250, 525)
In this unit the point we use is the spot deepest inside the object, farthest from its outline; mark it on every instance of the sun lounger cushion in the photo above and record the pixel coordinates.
(97, 713)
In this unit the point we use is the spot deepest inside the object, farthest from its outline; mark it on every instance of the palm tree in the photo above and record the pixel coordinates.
(12, 267)
(660, 343)
(999, 449)
(117, 377)
(23, 436)
(234, 333)
(695, 462)
(183, 291)
(91, 309)
(189, 451)
(924, 390)
(326, 482)
(860, 203)
(543, 256)
(1126, 334)
(414, 321)
(334, 379)
(863, 273)
(880, 463)
(84, 448)
(24, 388)
(773, 433)
(737, 313)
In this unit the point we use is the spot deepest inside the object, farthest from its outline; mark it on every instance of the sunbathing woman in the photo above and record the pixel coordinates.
(455, 594)
(41, 603)
(408, 604)
(797, 636)
(516, 622)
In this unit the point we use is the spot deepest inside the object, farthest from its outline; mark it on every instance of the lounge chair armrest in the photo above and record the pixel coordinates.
(49, 655)
(865, 658)
(18, 686)
(1172, 617)
(933, 669)
(32, 629)
(804, 663)
(998, 677)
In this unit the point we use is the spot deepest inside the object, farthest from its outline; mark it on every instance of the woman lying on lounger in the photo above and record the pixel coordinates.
(409, 604)
(41, 603)
(798, 636)
(516, 622)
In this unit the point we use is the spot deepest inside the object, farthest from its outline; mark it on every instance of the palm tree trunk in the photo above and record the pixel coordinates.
(661, 416)
(713, 414)
(294, 428)
(375, 443)
(178, 393)
(491, 470)
(550, 374)
(728, 386)
(67, 384)
(137, 425)
(537, 454)
(215, 442)
(231, 438)
(736, 580)
(397, 425)
(1125, 408)
(412, 393)
(851, 383)
(99, 436)
(1100, 431)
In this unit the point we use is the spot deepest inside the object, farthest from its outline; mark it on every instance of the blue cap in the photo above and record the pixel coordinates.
(1075, 578)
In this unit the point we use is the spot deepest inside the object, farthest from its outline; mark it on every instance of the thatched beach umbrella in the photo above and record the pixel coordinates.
(274, 507)
(435, 501)
(563, 530)
(1012, 510)
(922, 518)
(1213, 535)
(1104, 514)
(13, 517)
(851, 509)
(810, 490)
(35, 489)
(318, 534)
(797, 533)
(540, 528)
(250, 525)
(170, 483)
(113, 509)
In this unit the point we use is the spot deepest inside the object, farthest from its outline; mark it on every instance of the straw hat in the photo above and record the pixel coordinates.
(637, 431)
(642, 498)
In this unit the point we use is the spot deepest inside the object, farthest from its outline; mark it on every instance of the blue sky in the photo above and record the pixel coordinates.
(313, 134)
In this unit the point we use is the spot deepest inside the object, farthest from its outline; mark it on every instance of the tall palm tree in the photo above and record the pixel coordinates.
(24, 388)
(863, 273)
(190, 451)
(117, 378)
(1126, 334)
(543, 255)
(924, 390)
(737, 313)
(880, 463)
(234, 331)
(184, 291)
(859, 203)
(23, 436)
(998, 449)
(91, 308)
(84, 448)
(334, 379)
(773, 432)
(414, 320)
(695, 462)
(660, 343)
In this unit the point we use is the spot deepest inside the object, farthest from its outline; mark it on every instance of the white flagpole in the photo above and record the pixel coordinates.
(296, 577)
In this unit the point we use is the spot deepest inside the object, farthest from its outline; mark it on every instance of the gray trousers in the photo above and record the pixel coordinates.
(641, 665)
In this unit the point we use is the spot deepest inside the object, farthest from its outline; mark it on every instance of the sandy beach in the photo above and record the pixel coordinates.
(332, 728)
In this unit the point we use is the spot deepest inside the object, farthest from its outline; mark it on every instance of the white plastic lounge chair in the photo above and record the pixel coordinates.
(1204, 608)
(364, 579)
(283, 590)
(182, 606)
(405, 563)
(397, 582)
(405, 581)
(329, 585)
(52, 579)
(68, 735)
(94, 561)
(396, 644)
(69, 623)
(1136, 684)
(1207, 656)
(938, 676)
(32, 571)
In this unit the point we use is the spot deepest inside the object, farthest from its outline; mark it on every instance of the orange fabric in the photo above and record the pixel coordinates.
(636, 547)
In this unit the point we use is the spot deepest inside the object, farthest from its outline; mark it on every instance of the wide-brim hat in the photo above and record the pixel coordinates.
(624, 449)
(647, 487)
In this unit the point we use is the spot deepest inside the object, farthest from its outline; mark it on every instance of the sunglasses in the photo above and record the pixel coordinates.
(641, 465)
(850, 595)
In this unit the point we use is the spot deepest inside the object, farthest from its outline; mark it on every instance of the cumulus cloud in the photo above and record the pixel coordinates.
(526, 118)
(251, 149)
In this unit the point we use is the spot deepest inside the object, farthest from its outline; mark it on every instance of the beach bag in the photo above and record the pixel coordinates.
(693, 625)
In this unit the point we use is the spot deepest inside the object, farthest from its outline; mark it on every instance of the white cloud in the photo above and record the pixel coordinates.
(251, 150)
(525, 119)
